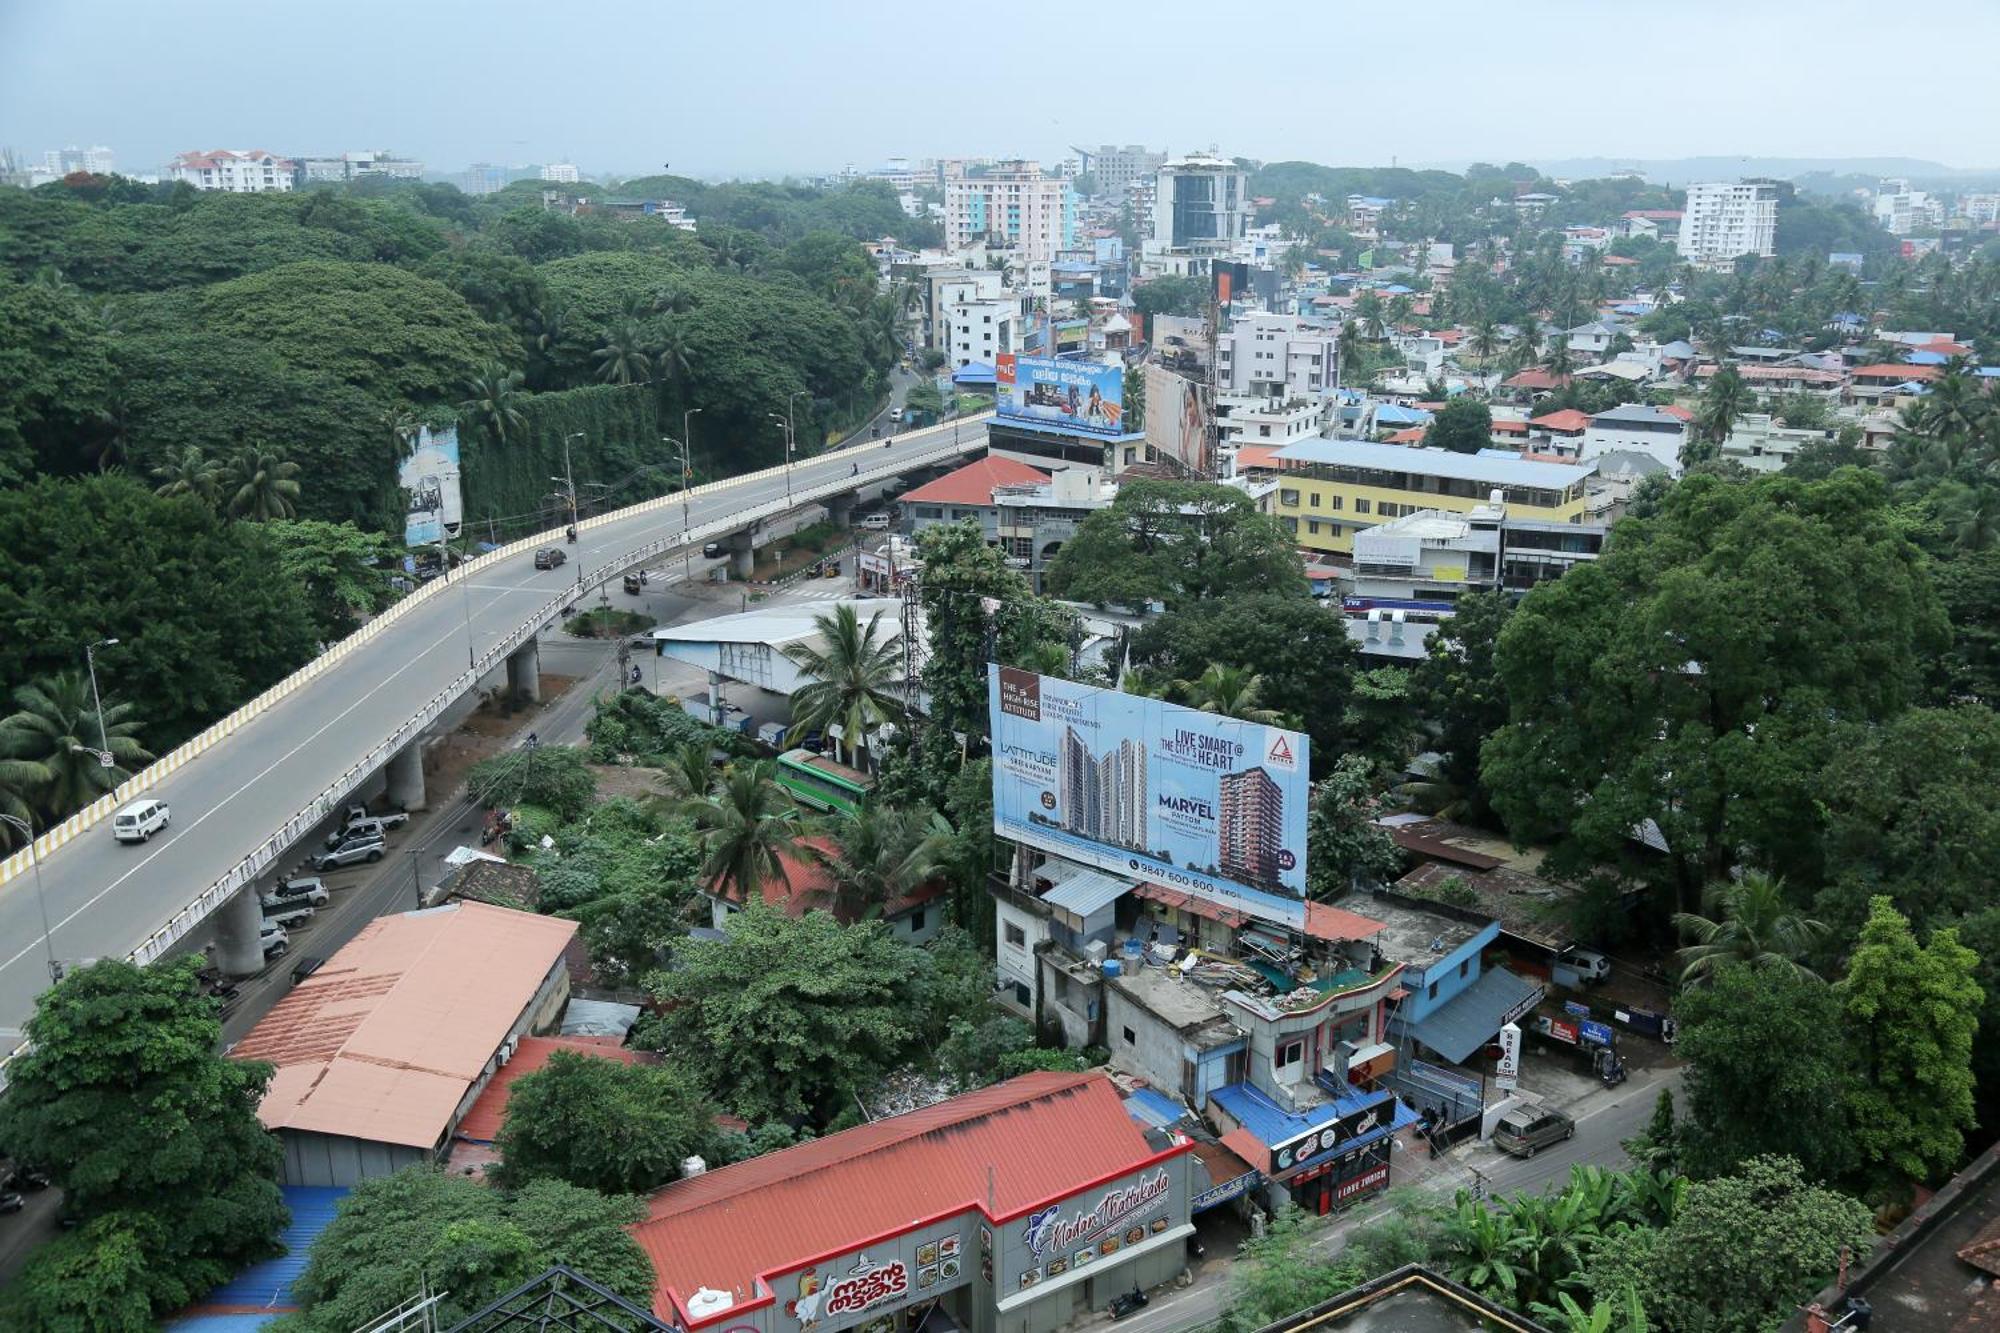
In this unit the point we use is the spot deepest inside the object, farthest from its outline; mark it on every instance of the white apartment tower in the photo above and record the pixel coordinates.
(1201, 204)
(60, 162)
(235, 171)
(562, 173)
(1724, 221)
(1012, 204)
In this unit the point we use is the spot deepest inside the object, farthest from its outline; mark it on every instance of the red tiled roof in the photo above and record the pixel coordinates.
(1507, 426)
(1895, 372)
(1187, 902)
(808, 885)
(973, 484)
(1678, 413)
(1019, 1144)
(1534, 378)
(1333, 923)
(1567, 420)
(1946, 347)
(489, 1111)
(1617, 261)
(1408, 435)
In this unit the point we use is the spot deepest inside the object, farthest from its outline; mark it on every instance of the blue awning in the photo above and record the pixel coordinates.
(976, 373)
(1473, 1017)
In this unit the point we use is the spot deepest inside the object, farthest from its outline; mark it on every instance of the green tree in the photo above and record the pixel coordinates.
(602, 1124)
(1764, 1068)
(556, 778)
(1463, 700)
(1723, 403)
(55, 371)
(1464, 426)
(58, 730)
(120, 1096)
(853, 675)
(190, 472)
(1909, 1013)
(262, 485)
(624, 357)
(962, 574)
(747, 823)
(1343, 843)
(1749, 921)
(786, 1017)
(493, 405)
(1278, 1274)
(344, 571)
(1175, 542)
(421, 1229)
(1742, 1254)
(882, 856)
(1230, 692)
(1184, 297)
(1690, 676)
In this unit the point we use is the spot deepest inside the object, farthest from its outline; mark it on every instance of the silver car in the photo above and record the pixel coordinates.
(349, 853)
(1526, 1129)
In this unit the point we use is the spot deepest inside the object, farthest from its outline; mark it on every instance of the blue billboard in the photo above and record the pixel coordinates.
(429, 478)
(1211, 806)
(1082, 396)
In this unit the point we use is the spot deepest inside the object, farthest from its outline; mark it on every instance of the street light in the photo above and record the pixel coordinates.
(786, 423)
(464, 593)
(687, 551)
(90, 660)
(35, 863)
(568, 479)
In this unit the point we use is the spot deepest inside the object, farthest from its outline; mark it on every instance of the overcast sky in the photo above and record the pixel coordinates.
(764, 87)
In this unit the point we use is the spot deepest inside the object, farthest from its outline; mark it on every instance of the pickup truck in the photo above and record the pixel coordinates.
(358, 822)
(290, 916)
(309, 890)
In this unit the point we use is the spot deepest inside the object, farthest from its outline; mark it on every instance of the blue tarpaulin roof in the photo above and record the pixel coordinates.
(1151, 1108)
(1928, 358)
(1390, 414)
(1473, 1016)
(977, 373)
(268, 1285)
(1252, 1108)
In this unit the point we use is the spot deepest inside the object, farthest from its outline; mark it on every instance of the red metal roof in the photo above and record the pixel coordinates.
(808, 885)
(1898, 373)
(1004, 1150)
(1567, 420)
(1333, 923)
(973, 484)
(1408, 435)
(1678, 413)
(1187, 902)
(482, 1123)
(1508, 426)
(1535, 379)
(1257, 455)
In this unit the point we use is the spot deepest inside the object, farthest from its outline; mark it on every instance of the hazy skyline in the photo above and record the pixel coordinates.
(787, 87)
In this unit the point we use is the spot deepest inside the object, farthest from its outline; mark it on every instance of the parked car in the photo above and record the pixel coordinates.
(305, 967)
(361, 814)
(374, 826)
(139, 821)
(366, 847)
(274, 939)
(309, 890)
(895, 414)
(712, 551)
(10, 1202)
(291, 915)
(1526, 1129)
(1577, 968)
(549, 557)
(876, 522)
(27, 1179)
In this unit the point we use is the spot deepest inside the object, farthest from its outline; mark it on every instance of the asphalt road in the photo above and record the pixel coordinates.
(103, 897)
(1603, 1121)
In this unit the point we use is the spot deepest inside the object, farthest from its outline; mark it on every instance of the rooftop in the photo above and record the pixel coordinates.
(384, 1040)
(1411, 933)
(1567, 419)
(973, 484)
(807, 884)
(1434, 463)
(1003, 1149)
(1412, 1299)
(1188, 1007)
(489, 1111)
(1639, 412)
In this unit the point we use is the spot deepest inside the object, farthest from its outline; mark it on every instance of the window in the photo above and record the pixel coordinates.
(1130, 1040)
(1016, 936)
(1289, 499)
(917, 924)
(1360, 505)
(1431, 993)
(1313, 527)
(1314, 497)
(1021, 996)
(1291, 526)
(1464, 966)
(1290, 1054)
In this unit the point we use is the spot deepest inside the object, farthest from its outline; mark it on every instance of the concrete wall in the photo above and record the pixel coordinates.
(1074, 1003)
(1445, 974)
(330, 1159)
(1155, 1051)
(1016, 964)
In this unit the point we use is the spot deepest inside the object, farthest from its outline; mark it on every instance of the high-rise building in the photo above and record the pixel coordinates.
(1201, 204)
(1724, 221)
(562, 173)
(354, 166)
(1013, 204)
(1117, 168)
(1103, 797)
(60, 162)
(235, 171)
(1253, 826)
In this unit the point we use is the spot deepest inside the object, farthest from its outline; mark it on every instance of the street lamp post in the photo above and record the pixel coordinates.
(464, 592)
(568, 479)
(35, 863)
(90, 661)
(687, 550)
(786, 425)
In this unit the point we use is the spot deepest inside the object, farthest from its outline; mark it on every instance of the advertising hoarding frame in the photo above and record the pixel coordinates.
(430, 481)
(1086, 397)
(1213, 806)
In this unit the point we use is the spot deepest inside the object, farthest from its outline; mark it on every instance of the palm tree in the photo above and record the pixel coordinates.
(689, 772)
(492, 404)
(1368, 312)
(1558, 361)
(623, 359)
(400, 427)
(1228, 691)
(1974, 515)
(20, 781)
(1485, 341)
(675, 361)
(881, 856)
(57, 730)
(853, 671)
(190, 472)
(1748, 922)
(1527, 347)
(1725, 400)
(1044, 657)
(747, 822)
(261, 483)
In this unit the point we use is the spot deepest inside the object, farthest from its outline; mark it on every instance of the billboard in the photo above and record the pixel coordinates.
(1209, 805)
(1080, 396)
(429, 476)
(1176, 419)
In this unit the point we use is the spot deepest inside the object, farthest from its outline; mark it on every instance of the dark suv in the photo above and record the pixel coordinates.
(549, 557)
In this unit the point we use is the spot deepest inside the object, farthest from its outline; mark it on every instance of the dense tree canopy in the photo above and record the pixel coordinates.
(601, 1124)
(1176, 542)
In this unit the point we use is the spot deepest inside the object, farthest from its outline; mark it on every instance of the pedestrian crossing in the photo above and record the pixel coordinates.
(819, 590)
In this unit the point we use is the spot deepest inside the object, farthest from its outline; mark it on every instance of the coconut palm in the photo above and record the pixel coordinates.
(21, 780)
(1973, 513)
(1368, 313)
(56, 729)
(1558, 360)
(400, 427)
(1748, 922)
(190, 472)
(689, 772)
(261, 484)
(881, 856)
(1723, 402)
(624, 358)
(1228, 691)
(1485, 341)
(494, 402)
(747, 824)
(853, 672)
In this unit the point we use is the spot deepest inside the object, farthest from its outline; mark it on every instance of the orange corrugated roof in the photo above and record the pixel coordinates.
(383, 1041)
(1566, 420)
(1898, 373)
(482, 1123)
(1407, 435)
(1332, 923)
(1509, 426)
(808, 885)
(973, 484)
(1026, 1141)
(1256, 455)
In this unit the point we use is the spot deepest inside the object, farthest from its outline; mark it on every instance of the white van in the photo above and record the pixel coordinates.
(876, 522)
(139, 821)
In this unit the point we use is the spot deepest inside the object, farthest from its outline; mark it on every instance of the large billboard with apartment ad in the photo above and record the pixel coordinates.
(1148, 790)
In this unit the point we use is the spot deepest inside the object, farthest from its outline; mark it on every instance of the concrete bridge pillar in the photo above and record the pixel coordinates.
(406, 776)
(742, 554)
(524, 672)
(840, 508)
(239, 950)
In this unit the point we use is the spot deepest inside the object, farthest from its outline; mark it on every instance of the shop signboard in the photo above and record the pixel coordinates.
(1223, 1193)
(919, 1265)
(1308, 1148)
(1086, 397)
(1361, 1184)
(1594, 1033)
(1507, 1073)
(1562, 1031)
(1095, 1225)
(1212, 806)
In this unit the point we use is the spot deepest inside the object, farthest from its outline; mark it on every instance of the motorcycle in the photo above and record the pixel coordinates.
(1134, 1299)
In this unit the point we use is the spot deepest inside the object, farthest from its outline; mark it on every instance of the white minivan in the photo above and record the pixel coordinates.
(139, 821)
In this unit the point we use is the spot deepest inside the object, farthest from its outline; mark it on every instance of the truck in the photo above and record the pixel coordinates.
(356, 821)
(307, 890)
(290, 916)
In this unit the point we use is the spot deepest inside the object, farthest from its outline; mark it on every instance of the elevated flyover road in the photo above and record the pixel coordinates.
(243, 794)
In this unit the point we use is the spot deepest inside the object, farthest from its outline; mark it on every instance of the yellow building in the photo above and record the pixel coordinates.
(1330, 489)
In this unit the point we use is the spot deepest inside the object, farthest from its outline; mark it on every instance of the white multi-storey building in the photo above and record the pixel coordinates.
(1725, 221)
(235, 171)
(1117, 168)
(1274, 356)
(353, 166)
(1201, 204)
(1012, 204)
(562, 173)
(1902, 210)
(60, 162)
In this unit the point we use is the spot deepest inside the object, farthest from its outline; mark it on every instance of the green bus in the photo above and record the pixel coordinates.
(819, 782)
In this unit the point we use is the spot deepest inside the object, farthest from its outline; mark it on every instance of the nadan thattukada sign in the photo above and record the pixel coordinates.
(1050, 1231)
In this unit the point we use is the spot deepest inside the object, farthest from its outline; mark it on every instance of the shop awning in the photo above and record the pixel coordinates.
(1474, 1016)
(1086, 891)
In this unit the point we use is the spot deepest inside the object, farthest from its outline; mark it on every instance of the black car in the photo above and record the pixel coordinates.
(11, 1202)
(549, 557)
(712, 550)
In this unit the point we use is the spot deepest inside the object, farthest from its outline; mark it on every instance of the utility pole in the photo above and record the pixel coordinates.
(687, 523)
(568, 481)
(35, 863)
(96, 702)
(910, 612)
(785, 424)
(464, 593)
